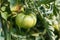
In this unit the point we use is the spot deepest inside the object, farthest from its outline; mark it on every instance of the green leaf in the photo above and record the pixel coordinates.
(1, 38)
(57, 3)
(13, 2)
(46, 1)
(3, 8)
(4, 15)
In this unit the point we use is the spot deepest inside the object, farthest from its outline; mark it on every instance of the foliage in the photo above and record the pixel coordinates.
(47, 12)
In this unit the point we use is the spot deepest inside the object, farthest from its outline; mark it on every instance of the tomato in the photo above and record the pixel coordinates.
(26, 20)
(16, 8)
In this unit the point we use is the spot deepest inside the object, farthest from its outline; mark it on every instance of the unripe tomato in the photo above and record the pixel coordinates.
(16, 8)
(26, 21)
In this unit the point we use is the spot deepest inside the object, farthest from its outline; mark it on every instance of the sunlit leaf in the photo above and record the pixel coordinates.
(4, 15)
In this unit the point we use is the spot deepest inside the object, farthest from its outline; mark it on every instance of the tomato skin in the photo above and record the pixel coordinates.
(16, 8)
(26, 21)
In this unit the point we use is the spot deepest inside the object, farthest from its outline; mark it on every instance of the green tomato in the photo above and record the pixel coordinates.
(26, 21)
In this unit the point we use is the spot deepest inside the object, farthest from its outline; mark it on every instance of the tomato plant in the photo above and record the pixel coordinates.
(30, 19)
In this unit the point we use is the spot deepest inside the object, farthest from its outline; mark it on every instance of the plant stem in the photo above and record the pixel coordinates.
(5, 30)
